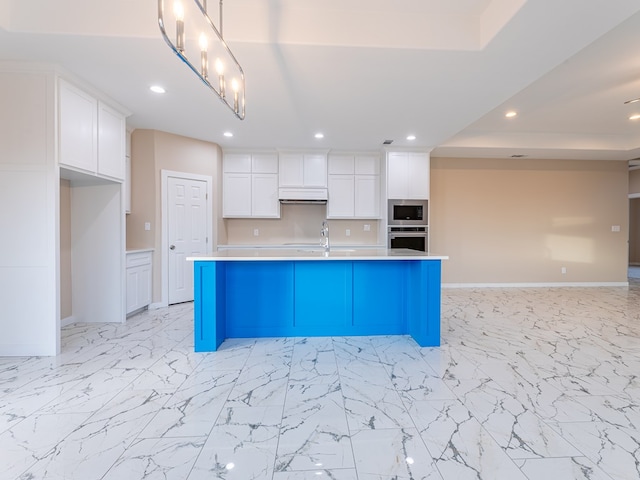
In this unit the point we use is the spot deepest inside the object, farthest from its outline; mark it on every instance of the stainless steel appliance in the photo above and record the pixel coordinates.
(408, 212)
(408, 224)
(414, 238)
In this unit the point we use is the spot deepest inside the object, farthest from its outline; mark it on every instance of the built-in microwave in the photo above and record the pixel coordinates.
(408, 212)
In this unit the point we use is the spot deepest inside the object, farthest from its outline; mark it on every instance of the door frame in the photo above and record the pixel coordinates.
(164, 239)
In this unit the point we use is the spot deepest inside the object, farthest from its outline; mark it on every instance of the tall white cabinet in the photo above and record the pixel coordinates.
(50, 129)
(354, 186)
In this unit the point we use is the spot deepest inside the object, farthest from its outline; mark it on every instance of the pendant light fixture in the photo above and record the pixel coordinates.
(197, 40)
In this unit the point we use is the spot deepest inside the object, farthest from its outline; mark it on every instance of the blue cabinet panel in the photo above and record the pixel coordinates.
(423, 302)
(379, 297)
(209, 305)
(259, 299)
(323, 298)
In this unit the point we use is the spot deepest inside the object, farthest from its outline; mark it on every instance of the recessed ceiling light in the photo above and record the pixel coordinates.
(632, 101)
(319, 135)
(157, 89)
(634, 117)
(228, 134)
(511, 114)
(411, 137)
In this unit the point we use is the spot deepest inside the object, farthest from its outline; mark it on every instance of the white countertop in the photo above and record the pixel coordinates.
(336, 253)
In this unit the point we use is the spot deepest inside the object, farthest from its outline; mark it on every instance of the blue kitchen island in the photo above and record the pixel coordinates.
(248, 293)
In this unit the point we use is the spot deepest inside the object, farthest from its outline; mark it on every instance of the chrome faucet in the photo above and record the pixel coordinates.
(324, 236)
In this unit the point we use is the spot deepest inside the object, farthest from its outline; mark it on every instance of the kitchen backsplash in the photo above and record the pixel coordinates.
(300, 224)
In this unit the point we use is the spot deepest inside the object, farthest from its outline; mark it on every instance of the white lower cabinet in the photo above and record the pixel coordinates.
(139, 280)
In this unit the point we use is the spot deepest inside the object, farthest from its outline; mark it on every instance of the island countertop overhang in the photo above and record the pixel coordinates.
(302, 254)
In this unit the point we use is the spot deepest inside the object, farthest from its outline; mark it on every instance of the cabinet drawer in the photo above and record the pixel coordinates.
(137, 259)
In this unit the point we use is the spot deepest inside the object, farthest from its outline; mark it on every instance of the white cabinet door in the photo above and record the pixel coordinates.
(418, 172)
(341, 194)
(139, 280)
(397, 176)
(133, 278)
(264, 163)
(236, 195)
(291, 170)
(408, 175)
(264, 195)
(144, 285)
(78, 129)
(236, 163)
(315, 170)
(111, 142)
(367, 165)
(341, 165)
(367, 196)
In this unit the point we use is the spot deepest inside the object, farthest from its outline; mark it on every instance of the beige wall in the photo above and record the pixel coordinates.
(151, 152)
(520, 221)
(65, 249)
(300, 224)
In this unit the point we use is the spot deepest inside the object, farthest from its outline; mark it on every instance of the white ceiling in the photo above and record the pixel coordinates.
(364, 71)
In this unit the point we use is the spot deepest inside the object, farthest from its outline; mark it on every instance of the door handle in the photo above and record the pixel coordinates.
(172, 247)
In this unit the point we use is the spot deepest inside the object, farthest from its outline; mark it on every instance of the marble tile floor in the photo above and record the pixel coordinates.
(528, 384)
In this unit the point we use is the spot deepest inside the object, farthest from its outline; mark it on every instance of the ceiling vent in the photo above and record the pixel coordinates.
(387, 142)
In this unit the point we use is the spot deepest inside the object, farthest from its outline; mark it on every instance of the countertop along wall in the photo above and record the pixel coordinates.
(506, 221)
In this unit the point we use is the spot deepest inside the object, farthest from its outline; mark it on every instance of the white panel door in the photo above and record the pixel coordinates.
(187, 230)
(367, 196)
(264, 195)
(340, 204)
(111, 142)
(398, 176)
(78, 129)
(315, 170)
(236, 195)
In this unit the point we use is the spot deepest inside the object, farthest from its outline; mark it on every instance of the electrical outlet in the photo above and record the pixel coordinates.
(256, 232)
(367, 227)
(615, 228)
(563, 270)
(347, 232)
(147, 226)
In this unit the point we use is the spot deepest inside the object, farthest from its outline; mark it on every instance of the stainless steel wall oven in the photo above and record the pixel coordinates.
(408, 224)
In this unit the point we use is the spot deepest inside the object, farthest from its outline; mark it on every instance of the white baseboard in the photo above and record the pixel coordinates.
(32, 350)
(535, 285)
(67, 321)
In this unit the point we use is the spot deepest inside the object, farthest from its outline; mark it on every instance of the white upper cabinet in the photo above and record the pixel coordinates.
(264, 163)
(78, 128)
(408, 175)
(91, 134)
(341, 194)
(354, 186)
(111, 142)
(250, 185)
(303, 170)
(315, 170)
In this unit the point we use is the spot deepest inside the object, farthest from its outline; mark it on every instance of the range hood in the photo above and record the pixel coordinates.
(304, 196)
